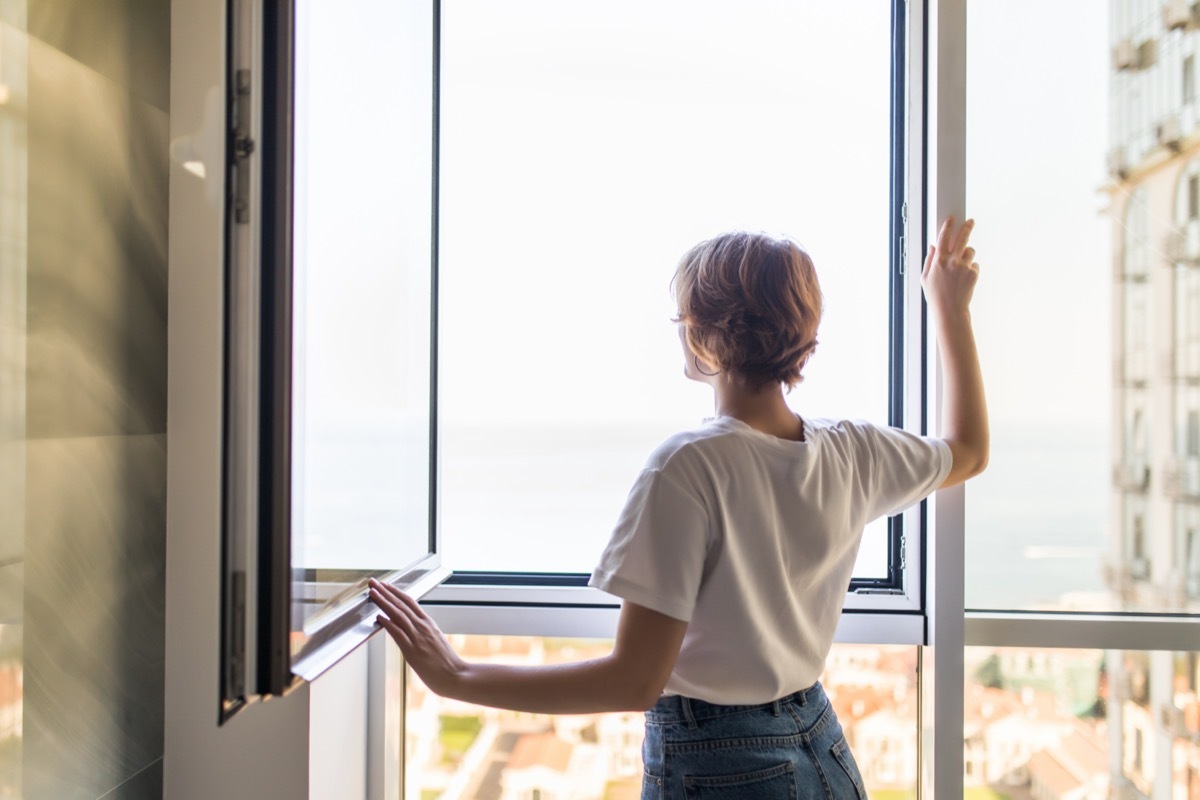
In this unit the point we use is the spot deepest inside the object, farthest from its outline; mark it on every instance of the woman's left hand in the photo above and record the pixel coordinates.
(421, 641)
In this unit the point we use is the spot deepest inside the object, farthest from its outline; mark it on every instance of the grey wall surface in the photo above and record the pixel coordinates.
(91, 543)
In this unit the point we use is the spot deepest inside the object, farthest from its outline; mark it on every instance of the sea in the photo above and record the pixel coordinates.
(545, 498)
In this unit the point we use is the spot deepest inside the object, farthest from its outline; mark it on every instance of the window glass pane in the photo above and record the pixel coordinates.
(361, 389)
(1085, 310)
(453, 749)
(585, 148)
(1081, 723)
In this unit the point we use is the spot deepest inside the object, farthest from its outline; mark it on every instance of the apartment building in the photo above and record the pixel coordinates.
(1154, 171)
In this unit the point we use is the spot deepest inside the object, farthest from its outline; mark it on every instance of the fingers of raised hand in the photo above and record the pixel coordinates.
(964, 233)
(952, 250)
(944, 239)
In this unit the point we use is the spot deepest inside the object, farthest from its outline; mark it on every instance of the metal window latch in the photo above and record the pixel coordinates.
(243, 147)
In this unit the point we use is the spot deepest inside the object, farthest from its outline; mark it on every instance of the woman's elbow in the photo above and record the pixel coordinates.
(639, 694)
(968, 459)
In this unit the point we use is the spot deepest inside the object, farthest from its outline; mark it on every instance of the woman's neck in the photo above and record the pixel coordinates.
(763, 409)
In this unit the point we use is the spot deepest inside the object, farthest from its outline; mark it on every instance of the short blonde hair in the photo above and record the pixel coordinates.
(751, 305)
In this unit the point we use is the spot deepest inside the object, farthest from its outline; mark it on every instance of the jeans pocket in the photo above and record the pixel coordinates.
(841, 752)
(776, 783)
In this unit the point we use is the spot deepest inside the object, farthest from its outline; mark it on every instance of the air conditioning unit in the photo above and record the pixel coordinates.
(1147, 53)
(1171, 719)
(1132, 477)
(1118, 165)
(1174, 245)
(1139, 569)
(1177, 14)
(1123, 55)
(1168, 132)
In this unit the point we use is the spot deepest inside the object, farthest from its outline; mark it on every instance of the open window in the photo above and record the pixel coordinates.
(330, 389)
(449, 336)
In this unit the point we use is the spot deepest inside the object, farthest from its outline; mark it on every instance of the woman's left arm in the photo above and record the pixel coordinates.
(630, 678)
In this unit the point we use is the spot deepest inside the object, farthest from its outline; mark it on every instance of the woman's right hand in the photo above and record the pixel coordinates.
(950, 271)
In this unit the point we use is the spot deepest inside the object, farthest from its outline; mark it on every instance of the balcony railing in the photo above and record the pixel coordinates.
(1181, 245)
(1132, 476)
(1181, 478)
(1181, 365)
(1132, 367)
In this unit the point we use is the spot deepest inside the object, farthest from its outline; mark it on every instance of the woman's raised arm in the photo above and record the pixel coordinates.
(949, 279)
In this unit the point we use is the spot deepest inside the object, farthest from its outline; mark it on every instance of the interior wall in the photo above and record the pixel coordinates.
(86, 540)
(13, 208)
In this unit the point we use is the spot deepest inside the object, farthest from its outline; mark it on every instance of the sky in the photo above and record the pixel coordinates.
(586, 147)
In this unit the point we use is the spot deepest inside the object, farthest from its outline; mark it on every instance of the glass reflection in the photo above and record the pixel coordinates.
(14, 203)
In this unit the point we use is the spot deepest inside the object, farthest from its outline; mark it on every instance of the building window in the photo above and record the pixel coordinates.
(1189, 79)
(1192, 563)
(1138, 747)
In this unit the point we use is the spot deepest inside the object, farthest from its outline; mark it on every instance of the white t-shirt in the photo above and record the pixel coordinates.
(751, 539)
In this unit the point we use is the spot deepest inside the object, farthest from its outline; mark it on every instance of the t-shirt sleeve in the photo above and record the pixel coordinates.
(657, 552)
(906, 468)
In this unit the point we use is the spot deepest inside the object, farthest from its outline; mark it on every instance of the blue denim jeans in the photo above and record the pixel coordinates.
(792, 748)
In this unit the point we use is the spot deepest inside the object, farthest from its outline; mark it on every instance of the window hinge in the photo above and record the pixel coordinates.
(903, 553)
(243, 147)
(903, 238)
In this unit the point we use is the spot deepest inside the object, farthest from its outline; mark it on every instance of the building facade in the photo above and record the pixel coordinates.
(1154, 559)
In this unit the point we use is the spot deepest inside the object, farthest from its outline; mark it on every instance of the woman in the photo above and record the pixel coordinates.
(738, 539)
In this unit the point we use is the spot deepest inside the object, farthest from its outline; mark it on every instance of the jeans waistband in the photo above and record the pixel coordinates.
(677, 708)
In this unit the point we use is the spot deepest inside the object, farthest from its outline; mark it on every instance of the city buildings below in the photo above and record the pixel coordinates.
(1034, 727)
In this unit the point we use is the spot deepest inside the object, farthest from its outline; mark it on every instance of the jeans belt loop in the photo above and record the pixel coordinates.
(775, 706)
(686, 705)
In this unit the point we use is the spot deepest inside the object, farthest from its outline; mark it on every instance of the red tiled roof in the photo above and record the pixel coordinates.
(1045, 770)
(1086, 749)
(540, 750)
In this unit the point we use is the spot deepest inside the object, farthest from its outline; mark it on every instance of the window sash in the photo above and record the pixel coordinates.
(902, 589)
